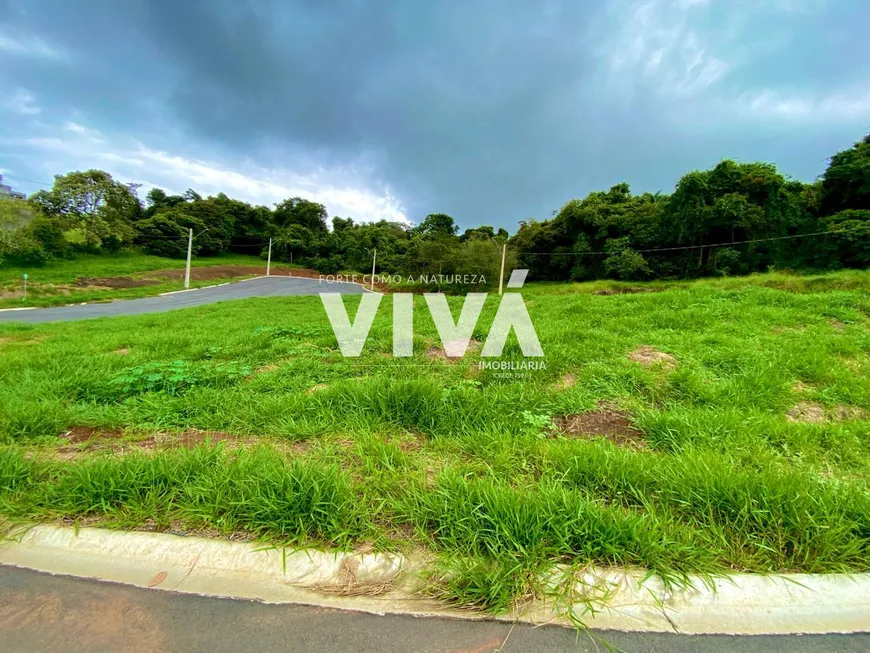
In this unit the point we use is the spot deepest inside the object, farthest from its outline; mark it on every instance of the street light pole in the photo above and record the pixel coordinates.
(190, 238)
(269, 258)
(374, 260)
(189, 251)
(501, 276)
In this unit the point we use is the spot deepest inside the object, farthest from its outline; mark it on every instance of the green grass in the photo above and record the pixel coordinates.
(785, 280)
(53, 284)
(422, 452)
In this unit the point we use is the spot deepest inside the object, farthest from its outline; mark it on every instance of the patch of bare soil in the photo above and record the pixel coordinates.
(436, 352)
(649, 356)
(305, 273)
(316, 388)
(194, 437)
(82, 439)
(605, 421)
(474, 346)
(114, 283)
(79, 434)
(229, 271)
(411, 442)
(625, 291)
(842, 413)
(123, 351)
(808, 412)
(568, 380)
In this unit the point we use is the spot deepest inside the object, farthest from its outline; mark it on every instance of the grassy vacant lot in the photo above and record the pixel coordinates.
(101, 277)
(713, 426)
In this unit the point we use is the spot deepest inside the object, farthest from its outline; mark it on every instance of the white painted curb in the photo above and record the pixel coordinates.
(216, 285)
(20, 308)
(389, 583)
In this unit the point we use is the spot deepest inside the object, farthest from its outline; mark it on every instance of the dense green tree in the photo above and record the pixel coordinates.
(305, 213)
(849, 241)
(92, 203)
(846, 182)
(437, 226)
(157, 200)
(27, 236)
(166, 234)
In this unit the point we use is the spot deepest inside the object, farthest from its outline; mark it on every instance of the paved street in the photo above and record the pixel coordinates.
(262, 287)
(39, 612)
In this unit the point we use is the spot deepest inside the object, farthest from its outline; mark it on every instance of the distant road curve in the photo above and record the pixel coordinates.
(259, 287)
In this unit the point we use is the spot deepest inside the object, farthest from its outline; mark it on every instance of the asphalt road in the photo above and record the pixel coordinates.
(262, 287)
(39, 612)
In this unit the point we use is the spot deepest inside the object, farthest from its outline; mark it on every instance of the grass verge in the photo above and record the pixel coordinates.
(748, 445)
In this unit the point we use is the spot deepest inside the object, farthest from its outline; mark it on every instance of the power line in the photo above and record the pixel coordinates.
(685, 247)
(29, 181)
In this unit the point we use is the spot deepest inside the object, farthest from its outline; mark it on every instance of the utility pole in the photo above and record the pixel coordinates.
(374, 259)
(189, 251)
(501, 276)
(269, 258)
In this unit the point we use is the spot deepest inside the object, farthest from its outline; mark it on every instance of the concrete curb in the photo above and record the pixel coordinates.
(741, 604)
(216, 285)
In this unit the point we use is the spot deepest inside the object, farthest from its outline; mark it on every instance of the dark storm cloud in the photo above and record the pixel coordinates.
(467, 105)
(493, 111)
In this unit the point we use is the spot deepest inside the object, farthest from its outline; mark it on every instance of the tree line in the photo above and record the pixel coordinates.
(736, 218)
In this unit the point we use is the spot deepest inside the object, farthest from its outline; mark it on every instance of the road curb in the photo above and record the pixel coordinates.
(216, 285)
(624, 599)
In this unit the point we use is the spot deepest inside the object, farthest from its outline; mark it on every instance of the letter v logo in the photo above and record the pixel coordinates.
(351, 337)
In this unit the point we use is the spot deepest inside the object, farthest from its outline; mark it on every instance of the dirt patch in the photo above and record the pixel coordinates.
(194, 437)
(436, 352)
(808, 412)
(605, 421)
(411, 442)
(79, 434)
(842, 413)
(836, 324)
(219, 272)
(114, 283)
(800, 386)
(82, 439)
(304, 273)
(123, 351)
(316, 388)
(301, 447)
(625, 291)
(474, 346)
(649, 356)
(568, 380)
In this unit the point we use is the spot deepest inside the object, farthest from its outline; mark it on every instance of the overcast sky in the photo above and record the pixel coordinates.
(491, 110)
